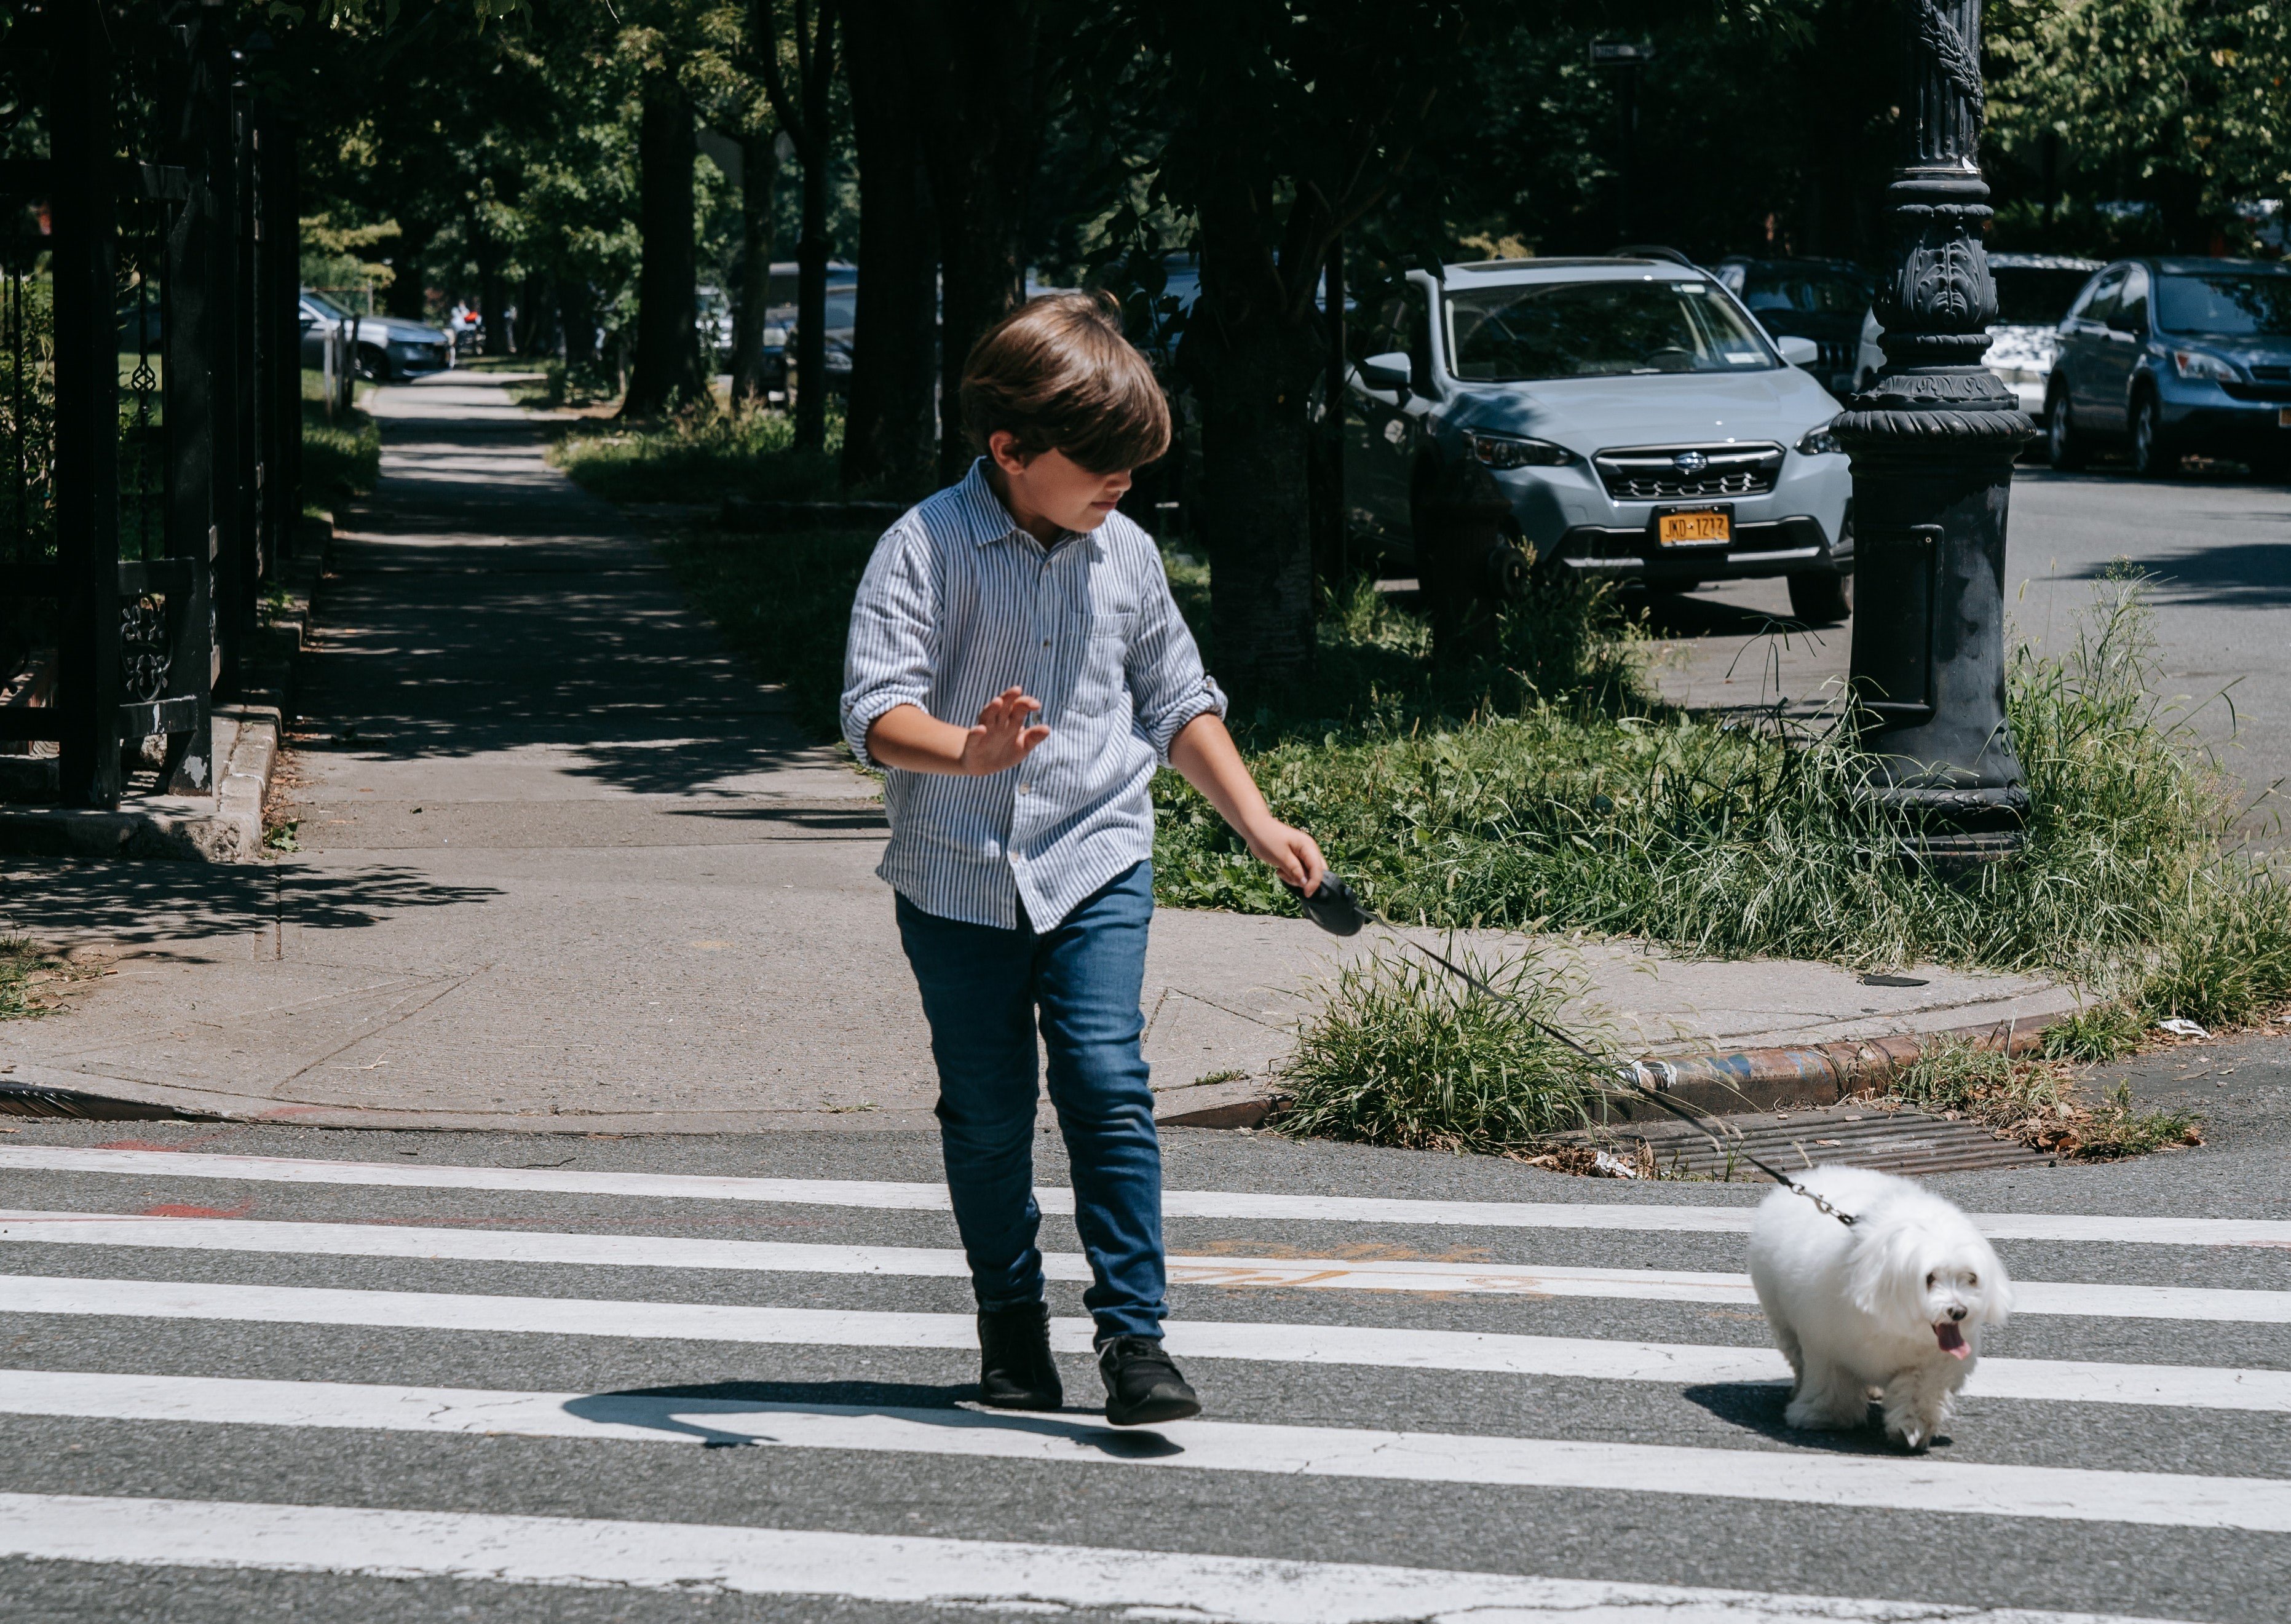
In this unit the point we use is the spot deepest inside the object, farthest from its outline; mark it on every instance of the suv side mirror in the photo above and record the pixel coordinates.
(1391, 370)
(2131, 324)
(1797, 351)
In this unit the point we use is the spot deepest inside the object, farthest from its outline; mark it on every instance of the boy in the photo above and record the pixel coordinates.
(1021, 843)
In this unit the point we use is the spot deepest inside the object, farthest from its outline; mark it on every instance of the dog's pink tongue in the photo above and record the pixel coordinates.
(1951, 1339)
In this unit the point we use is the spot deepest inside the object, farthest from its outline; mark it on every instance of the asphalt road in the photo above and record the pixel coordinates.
(371, 1369)
(2218, 545)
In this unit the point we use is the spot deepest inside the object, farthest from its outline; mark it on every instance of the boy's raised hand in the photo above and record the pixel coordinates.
(1003, 737)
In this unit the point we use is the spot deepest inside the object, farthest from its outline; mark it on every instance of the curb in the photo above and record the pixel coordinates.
(233, 831)
(1744, 1079)
(1814, 1074)
(1735, 1081)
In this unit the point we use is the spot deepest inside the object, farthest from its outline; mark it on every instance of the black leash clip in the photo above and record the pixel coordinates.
(1333, 906)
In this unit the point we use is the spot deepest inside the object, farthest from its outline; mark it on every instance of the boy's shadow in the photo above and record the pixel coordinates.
(1756, 1406)
(742, 1411)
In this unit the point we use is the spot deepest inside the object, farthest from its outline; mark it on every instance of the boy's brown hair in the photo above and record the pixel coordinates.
(1058, 375)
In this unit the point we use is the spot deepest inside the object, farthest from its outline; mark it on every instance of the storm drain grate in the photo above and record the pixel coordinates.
(1905, 1141)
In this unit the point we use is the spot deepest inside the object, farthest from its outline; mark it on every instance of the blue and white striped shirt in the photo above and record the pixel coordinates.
(958, 604)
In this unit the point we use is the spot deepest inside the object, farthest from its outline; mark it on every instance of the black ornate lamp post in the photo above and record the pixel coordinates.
(1932, 443)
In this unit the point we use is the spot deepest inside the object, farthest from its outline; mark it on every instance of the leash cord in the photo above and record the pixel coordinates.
(1634, 1072)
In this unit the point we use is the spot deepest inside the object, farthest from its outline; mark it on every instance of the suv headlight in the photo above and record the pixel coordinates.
(2196, 363)
(1818, 442)
(1516, 451)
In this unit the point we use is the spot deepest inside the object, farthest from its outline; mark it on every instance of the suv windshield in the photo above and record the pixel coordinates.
(2254, 305)
(2030, 297)
(1817, 292)
(1598, 329)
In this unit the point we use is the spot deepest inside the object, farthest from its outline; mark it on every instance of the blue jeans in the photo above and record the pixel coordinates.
(981, 988)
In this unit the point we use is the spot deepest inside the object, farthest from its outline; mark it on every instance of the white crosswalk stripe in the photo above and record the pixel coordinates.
(719, 1560)
(838, 1284)
(2044, 1380)
(2168, 1499)
(868, 1195)
(2099, 1300)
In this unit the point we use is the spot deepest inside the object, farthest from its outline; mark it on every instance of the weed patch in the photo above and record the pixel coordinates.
(2038, 1102)
(23, 966)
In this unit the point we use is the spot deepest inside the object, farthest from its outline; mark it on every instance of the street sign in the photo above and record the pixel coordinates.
(1619, 54)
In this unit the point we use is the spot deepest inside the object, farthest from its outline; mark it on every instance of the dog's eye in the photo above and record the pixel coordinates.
(1973, 1279)
(1929, 1280)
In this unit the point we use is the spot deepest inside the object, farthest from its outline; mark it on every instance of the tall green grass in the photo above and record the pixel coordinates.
(1581, 810)
(703, 456)
(341, 455)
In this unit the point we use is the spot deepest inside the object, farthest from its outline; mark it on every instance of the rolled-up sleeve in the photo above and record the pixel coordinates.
(888, 659)
(1168, 687)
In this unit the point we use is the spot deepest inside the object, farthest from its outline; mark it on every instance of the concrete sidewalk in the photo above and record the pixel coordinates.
(565, 864)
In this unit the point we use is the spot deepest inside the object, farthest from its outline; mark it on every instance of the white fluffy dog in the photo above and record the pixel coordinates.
(1895, 1303)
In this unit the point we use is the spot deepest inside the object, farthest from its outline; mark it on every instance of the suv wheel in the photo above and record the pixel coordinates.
(1821, 597)
(2152, 456)
(2062, 444)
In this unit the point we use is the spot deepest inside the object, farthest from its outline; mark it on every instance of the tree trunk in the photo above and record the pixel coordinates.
(982, 152)
(407, 297)
(1253, 361)
(576, 313)
(668, 340)
(537, 326)
(811, 251)
(890, 427)
(760, 175)
(493, 299)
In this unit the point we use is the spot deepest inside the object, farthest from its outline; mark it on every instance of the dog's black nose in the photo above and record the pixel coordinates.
(1956, 1313)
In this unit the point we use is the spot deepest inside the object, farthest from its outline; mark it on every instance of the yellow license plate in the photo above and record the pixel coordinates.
(1693, 529)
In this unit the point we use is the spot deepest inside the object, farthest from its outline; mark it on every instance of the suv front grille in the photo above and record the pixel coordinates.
(2272, 374)
(1651, 473)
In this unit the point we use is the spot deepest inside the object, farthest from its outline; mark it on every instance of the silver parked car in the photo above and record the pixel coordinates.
(2033, 292)
(389, 347)
(1644, 426)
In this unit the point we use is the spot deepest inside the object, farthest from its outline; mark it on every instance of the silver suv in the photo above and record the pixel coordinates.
(1643, 423)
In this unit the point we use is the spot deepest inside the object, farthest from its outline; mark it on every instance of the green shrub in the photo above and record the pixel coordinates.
(1403, 1055)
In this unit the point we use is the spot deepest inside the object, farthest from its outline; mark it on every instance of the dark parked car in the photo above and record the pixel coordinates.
(1827, 301)
(2171, 356)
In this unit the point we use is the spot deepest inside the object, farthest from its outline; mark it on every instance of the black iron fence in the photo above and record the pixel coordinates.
(150, 386)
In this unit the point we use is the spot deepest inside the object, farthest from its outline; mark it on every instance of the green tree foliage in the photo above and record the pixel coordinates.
(2182, 106)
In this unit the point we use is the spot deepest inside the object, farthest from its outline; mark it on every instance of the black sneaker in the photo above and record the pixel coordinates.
(1015, 1368)
(1142, 1388)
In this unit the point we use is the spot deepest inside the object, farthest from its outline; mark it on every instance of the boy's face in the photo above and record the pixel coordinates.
(1051, 486)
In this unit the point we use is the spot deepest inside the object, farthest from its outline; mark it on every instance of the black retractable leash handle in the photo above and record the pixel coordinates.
(1334, 909)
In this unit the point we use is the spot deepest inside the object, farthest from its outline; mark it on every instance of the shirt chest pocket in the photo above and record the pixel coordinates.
(1102, 683)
